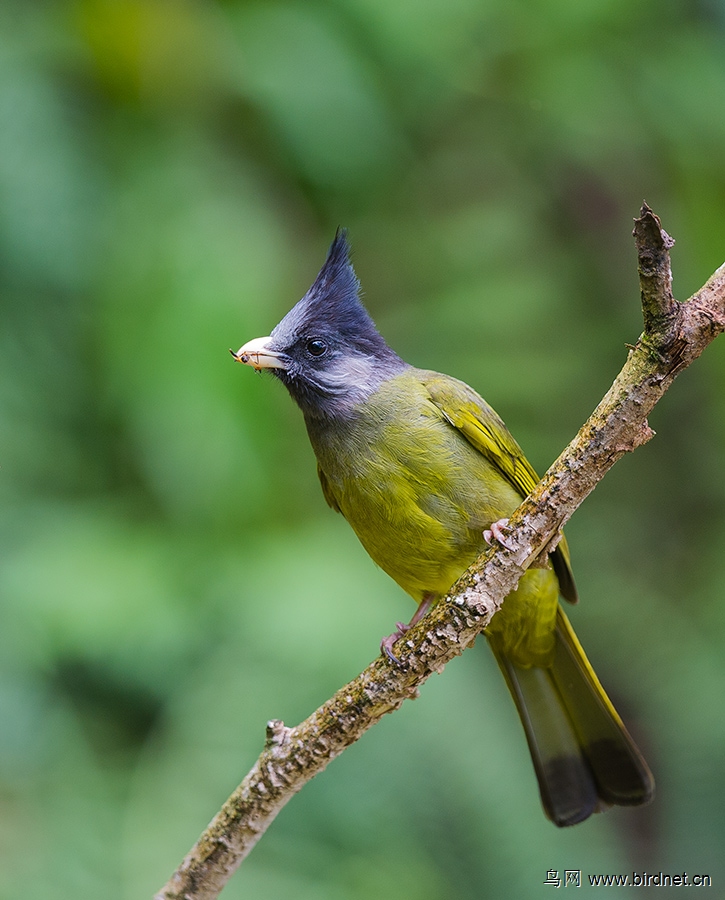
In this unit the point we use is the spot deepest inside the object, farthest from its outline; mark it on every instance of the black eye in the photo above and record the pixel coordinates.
(316, 347)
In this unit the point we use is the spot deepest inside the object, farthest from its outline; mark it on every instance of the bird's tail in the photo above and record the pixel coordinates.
(583, 755)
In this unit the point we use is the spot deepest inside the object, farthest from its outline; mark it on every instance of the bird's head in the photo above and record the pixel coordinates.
(326, 350)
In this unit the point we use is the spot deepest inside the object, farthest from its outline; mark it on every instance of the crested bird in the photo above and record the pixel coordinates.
(425, 472)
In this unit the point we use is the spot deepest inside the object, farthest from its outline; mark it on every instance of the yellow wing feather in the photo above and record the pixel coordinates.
(484, 429)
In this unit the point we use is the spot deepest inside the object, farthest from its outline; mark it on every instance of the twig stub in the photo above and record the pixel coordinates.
(660, 310)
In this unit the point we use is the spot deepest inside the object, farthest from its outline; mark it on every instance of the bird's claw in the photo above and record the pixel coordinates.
(497, 532)
(386, 645)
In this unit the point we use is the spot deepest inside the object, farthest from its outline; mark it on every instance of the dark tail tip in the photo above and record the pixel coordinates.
(568, 790)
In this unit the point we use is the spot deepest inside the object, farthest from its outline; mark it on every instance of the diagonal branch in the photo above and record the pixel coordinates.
(675, 335)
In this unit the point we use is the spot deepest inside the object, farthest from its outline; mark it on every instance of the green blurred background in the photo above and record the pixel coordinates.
(171, 174)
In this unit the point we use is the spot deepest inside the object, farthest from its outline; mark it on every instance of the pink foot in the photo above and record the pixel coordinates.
(497, 532)
(386, 645)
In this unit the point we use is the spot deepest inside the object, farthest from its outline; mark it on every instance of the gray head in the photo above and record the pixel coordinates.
(327, 350)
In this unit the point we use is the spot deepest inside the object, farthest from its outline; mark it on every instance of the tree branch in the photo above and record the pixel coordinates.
(675, 334)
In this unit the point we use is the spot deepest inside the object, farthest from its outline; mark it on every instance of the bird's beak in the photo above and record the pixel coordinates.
(256, 353)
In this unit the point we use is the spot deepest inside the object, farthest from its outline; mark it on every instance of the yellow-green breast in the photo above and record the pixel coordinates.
(418, 495)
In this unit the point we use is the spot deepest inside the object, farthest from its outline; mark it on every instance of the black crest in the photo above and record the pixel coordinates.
(334, 355)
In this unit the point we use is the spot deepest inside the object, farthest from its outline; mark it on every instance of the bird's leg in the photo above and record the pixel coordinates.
(497, 532)
(386, 645)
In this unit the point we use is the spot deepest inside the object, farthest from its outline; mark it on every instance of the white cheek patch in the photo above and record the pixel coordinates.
(352, 378)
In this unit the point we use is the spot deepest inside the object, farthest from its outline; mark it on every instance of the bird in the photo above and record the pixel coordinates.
(426, 473)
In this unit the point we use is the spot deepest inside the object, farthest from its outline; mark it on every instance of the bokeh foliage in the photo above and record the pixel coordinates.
(171, 172)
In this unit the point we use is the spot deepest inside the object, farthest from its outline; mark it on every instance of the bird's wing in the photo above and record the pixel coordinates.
(463, 408)
(469, 413)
